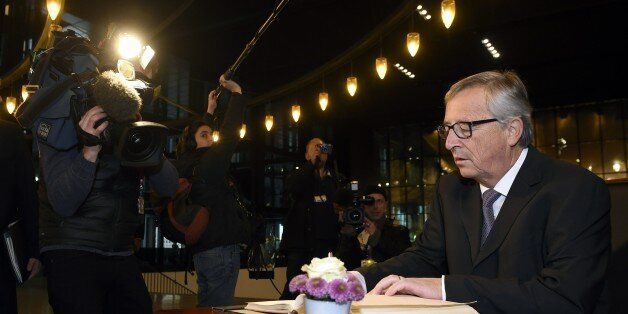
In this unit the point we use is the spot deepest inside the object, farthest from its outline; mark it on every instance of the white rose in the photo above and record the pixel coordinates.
(328, 268)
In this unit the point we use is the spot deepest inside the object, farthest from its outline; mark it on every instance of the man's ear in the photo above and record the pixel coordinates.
(515, 130)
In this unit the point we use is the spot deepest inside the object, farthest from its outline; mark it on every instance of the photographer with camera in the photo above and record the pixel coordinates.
(311, 225)
(374, 236)
(90, 209)
(205, 165)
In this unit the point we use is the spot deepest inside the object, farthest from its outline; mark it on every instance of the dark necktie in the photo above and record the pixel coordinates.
(488, 198)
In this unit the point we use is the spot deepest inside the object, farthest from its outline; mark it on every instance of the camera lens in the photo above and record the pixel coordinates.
(354, 216)
(138, 141)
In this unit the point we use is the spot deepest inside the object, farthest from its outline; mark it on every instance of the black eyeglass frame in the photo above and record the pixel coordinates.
(443, 129)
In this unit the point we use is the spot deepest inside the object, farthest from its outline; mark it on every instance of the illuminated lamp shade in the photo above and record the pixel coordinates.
(448, 12)
(296, 112)
(126, 69)
(381, 66)
(11, 104)
(352, 85)
(243, 130)
(323, 100)
(24, 92)
(215, 136)
(617, 166)
(413, 41)
(147, 56)
(129, 46)
(269, 122)
(53, 6)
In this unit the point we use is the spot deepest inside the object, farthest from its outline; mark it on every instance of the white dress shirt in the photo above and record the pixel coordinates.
(503, 187)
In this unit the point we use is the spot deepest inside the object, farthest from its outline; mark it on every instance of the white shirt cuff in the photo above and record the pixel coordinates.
(442, 287)
(360, 279)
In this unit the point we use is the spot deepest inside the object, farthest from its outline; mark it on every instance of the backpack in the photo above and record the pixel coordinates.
(180, 220)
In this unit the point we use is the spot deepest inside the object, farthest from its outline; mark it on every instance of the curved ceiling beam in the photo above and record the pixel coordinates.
(16, 73)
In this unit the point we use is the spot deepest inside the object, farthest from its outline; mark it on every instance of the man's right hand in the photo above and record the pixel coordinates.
(87, 122)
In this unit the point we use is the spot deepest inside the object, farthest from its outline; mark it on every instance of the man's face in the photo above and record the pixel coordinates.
(313, 150)
(481, 156)
(378, 209)
(203, 137)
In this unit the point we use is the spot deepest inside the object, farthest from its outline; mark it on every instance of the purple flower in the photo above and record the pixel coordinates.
(297, 284)
(352, 278)
(356, 292)
(339, 291)
(316, 287)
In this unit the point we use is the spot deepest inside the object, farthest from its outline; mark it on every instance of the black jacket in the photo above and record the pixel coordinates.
(308, 220)
(547, 252)
(207, 169)
(391, 241)
(18, 197)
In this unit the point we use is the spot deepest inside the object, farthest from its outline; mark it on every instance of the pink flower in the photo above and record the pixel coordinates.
(339, 291)
(356, 292)
(297, 284)
(316, 287)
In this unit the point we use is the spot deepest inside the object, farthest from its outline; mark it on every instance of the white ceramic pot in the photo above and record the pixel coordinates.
(326, 307)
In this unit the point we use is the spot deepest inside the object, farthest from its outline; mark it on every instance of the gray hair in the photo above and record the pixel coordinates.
(506, 96)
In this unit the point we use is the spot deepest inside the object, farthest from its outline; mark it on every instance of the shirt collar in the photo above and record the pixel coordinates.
(504, 184)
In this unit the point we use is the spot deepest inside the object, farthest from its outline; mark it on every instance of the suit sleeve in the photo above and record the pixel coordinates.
(27, 197)
(577, 251)
(425, 259)
(214, 164)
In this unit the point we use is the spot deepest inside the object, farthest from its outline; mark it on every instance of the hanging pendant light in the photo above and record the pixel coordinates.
(243, 130)
(24, 92)
(11, 104)
(53, 6)
(352, 85)
(381, 66)
(448, 12)
(413, 41)
(296, 112)
(269, 122)
(215, 136)
(323, 100)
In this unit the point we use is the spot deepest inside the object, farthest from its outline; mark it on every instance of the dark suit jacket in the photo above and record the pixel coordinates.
(18, 195)
(547, 252)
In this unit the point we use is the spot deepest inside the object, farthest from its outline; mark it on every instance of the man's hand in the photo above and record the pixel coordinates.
(33, 266)
(87, 122)
(212, 102)
(369, 226)
(230, 85)
(429, 288)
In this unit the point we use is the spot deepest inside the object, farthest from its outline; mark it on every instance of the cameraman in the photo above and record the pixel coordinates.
(311, 225)
(89, 212)
(378, 238)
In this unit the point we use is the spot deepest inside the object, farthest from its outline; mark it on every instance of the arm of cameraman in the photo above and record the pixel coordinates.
(166, 180)
(68, 177)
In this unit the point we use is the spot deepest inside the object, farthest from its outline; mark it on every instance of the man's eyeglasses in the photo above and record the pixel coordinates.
(462, 129)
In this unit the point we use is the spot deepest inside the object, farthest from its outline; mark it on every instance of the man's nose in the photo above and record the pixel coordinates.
(452, 140)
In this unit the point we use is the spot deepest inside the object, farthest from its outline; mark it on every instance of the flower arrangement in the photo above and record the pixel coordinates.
(327, 280)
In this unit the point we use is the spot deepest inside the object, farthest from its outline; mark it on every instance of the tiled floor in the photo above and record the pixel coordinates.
(33, 299)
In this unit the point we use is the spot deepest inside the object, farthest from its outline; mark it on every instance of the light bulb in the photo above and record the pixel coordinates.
(53, 7)
(423, 12)
(243, 130)
(413, 41)
(296, 112)
(269, 122)
(496, 55)
(129, 46)
(616, 166)
(428, 17)
(485, 41)
(323, 100)
(11, 104)
(352, 85)
(448, 12)
(24, 93)
(215, 136)
(381, 66)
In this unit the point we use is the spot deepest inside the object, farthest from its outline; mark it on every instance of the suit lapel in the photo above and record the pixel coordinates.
(523, 189)
(471, 214)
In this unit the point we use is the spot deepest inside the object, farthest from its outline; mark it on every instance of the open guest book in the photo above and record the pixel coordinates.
(381, 304)
(281, 306)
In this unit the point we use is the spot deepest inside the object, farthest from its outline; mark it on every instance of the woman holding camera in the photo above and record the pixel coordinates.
(205, 165)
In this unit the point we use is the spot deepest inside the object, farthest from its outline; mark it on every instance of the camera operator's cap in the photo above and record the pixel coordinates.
(374, 189)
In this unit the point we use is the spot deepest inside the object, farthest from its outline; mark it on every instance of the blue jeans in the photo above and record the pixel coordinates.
(217, 274)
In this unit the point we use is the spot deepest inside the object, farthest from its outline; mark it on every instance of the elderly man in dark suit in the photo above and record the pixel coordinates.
(18, 199)
(513, 229)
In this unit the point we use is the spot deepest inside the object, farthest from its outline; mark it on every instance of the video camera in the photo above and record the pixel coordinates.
(353, 204)
(73, 77)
